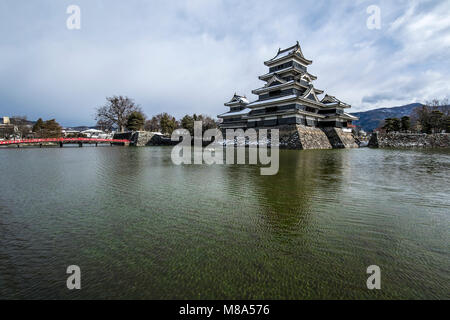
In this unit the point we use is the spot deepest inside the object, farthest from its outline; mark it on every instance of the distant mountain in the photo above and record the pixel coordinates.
(21, 121)
(369, 120)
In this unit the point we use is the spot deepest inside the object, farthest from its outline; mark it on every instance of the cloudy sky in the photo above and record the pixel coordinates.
(191, 56)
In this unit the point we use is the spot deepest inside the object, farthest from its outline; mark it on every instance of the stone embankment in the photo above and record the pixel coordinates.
(409, 140)
(290, 137)
(340, 139)
(302, 137)
(145, 138)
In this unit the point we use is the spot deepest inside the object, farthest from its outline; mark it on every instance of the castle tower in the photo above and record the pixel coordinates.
(288, 97)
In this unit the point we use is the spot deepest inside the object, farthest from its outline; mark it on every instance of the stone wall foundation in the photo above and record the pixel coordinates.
(340, 139)
(409, 140)
(293, 136)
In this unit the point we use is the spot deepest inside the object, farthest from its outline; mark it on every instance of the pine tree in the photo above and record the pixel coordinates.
(406, 123)
(187, 122)
(136, 121)
(38, 125)
(168, 123)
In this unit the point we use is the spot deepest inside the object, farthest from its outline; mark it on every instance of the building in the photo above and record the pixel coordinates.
(96, 134)
(6, 120)
(7, 130)
(288, 97)
(69, 133)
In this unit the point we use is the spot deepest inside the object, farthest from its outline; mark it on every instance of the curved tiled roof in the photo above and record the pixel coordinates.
(282, 53)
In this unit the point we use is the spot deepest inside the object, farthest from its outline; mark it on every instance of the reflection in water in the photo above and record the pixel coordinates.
(141, 227)
(303, 177)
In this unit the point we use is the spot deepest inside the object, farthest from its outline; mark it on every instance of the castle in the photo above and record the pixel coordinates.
(288, 99)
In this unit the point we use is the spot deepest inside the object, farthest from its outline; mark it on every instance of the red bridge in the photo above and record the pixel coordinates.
(62, 141)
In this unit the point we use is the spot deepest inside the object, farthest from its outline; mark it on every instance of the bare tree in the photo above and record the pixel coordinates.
(153, 124)
(116, 111)
(432, 117)
(105, 125)
(6, 131)
(22, 125)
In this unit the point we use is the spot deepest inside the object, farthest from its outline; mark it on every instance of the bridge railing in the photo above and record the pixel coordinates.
(63, 140)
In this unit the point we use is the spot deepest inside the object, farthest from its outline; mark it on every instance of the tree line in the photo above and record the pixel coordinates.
(21, 127)
(119, 112)
(47, 129)
(122, 113)
(432, 117)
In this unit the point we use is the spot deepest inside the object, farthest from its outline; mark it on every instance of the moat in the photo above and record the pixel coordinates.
(140, 227)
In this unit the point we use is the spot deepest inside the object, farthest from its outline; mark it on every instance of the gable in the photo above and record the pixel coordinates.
(329, 99)
(274, 80)
(311, 97)
(310, 94)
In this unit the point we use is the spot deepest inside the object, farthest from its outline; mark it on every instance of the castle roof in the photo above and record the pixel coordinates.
(237, 100)
(287, 69)
(333, 101)
(273, 100)
(288, 52)
(267, 88)
(234, 113)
